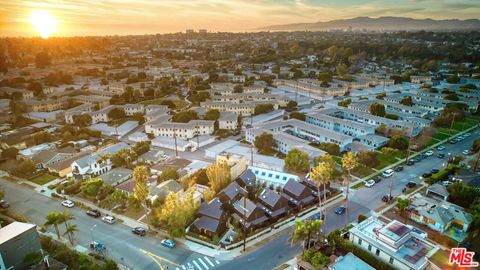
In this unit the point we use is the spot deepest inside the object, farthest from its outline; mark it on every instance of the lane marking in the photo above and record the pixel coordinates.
(160, 258)
(196, 264)
(205, 265)
(217, 262)
(208, 260)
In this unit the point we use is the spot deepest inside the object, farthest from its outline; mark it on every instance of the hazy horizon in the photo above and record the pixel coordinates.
(120, 17)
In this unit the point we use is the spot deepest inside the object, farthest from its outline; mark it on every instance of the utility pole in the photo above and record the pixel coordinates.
(198, 135)
(175, 139)
(476, 162)
(451, 126)
(391, 188)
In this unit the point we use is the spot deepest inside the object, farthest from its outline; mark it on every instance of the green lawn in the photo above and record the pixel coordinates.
(362, 171)
(359, 185)
(385, 160)
(440, 136)
(43, 179)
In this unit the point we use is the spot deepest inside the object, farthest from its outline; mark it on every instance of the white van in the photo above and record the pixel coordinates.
(388, 173)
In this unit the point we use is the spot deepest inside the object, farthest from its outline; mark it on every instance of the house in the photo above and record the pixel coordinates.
(116, 176)
(176, 163)
(270, 178)
(63, 168)
(401, 246)
(248, 214)
(49, 156)
(17, 241)
(231, 193)
(162, 190)
(297, 194)
(132, 109)
(228, 120)
(247, 179)
(437, 191)
(211, 219)
(349, 262)
(273, 204)
(442, 216)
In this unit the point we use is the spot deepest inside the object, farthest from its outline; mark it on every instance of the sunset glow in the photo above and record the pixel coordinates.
(43, 22)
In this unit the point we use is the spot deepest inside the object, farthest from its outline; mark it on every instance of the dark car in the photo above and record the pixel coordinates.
(441, 155)
(94, 213)
(423, 156)
(387, 198)
(453, 141)
(411, 184)
(399, 169)
(427, 174)
(377, 179)
(139, 231)
(410, 162)
(434, 171)
(417, 159)
(4, 204)
(340, 210)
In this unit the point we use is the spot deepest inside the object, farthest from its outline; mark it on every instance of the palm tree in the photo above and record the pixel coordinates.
(70, 231)
(349, 162)
(64, 217)
(53, 219)
(402, 205)
(141, 189)
(321, 174)
(304, 231)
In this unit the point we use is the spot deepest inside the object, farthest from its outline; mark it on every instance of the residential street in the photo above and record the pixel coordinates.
(147, 253)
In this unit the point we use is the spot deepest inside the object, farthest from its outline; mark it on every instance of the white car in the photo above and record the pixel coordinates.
(441, 148)
(109, 219)
(446, 183)
(466, 152)
(68, 203)
(429, 153)
(388, 173)
(369, 183)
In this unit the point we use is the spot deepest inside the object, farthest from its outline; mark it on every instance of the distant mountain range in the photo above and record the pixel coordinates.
(381, 24)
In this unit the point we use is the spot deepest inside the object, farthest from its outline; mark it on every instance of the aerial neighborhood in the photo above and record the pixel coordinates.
(314, 150)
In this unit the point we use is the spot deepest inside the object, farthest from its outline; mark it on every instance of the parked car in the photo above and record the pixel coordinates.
(68, 203)
(466, 152)
(399, 169)
(423, 156)
(441, 155)
(98, 247)
(446, 183)
(109, 219)
(456, 179)
(388, 173)
(340, 210)
(94, 213)
(441, 148)
(429, 153)
(427, 174)
(4, 204)
(410, 162)
(317, 216)
(377, 179)
(369, 183)
(467, 134)
(168, 243)
(411, 184)
(453, 141)
(387, 198)
(139, 231)
(434, 170)
(417, 159)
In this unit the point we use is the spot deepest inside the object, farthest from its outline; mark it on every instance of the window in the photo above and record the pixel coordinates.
(391, 260)
(369, 247)
(359, 241)
(377, 252)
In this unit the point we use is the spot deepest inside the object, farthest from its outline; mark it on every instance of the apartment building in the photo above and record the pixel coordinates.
(312, 86)
(78, 110)
(409, 129)
(390, 107)
(228, 120)
(420, 79)
(181, 130)
(245, 109)
(402, 246)
(131, 109)
(48, 105)
(99, 101)
(24, 94)
(345, 126)
(300, 129)
(246, 97)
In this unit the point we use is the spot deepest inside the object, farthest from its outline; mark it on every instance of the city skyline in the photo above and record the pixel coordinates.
(80, 18)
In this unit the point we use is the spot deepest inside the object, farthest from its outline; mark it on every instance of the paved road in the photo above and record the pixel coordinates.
(121, 244)
(127, 248)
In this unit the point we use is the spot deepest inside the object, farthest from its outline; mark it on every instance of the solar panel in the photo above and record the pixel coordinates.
(398, 229)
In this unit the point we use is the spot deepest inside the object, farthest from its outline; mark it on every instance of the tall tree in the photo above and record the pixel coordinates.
(70, 231)
(264, 142)
(321, 174)
(52, 219)
(297, 161)
(349, 162)
(304, 231)
(141, 189)
(218, 176)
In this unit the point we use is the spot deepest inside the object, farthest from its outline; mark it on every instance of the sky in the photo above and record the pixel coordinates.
(123, 17)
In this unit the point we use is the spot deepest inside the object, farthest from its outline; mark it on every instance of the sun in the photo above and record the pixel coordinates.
(43, 22)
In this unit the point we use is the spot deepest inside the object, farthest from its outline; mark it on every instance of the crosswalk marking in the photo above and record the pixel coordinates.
(205, 265)
(183, 267)
(196, 264)
(217, 262)
(208, 260)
